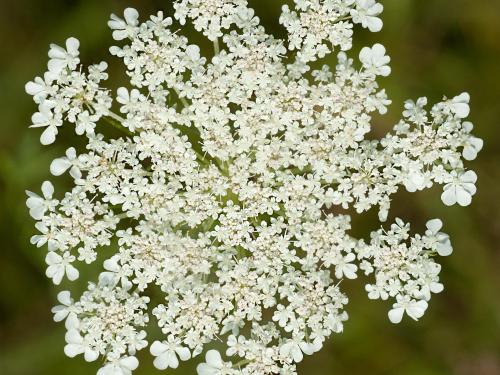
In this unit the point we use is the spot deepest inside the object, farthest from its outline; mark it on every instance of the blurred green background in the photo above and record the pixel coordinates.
(438, 47)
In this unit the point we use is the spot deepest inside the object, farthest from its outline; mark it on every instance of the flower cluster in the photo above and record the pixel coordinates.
(105, 321)
(222, 197)
(317, 26)
(406, 272)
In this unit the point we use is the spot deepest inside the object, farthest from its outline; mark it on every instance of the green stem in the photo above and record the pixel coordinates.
(345, 18)
(242, 363)
(116, 121)
(200, 157)
(216, 47)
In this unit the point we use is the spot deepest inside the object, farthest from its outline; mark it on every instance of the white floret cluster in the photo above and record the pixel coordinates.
(228, 197)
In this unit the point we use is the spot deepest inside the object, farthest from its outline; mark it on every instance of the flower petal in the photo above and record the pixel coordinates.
(396, 315)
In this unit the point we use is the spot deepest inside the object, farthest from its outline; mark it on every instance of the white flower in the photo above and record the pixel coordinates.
(414, 181)
(220, 192)
(72, 322)
(414, 309)
(45, 118)
(366, 13)
(376, 292)
(58, 266)
(459, 105)
(75, 345)
(235, 345)
(38, 205)
(344, 267)
(123, 29)
(441, 240)
(193, 52)
(213, 16)
(213, 364)
(293, 349)
(70, 161)
(375, 60)
(40, 88)
(472, 145)
(62, 311)
(460, 190)
(428, 288)
(166, 353)
(45, 237)
(61, 58)
(85, 123)
(128, 99)
(115, 273)
(122, 366)
(415, 111)
(314, 24)
(137, 343)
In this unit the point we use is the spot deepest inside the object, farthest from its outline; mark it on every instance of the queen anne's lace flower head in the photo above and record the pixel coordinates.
(222, 195)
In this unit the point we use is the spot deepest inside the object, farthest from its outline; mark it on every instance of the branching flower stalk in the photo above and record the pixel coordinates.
(223, 203)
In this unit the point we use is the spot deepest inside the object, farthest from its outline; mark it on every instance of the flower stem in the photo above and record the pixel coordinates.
(216, 47)
(242, 363)
(116, 121)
